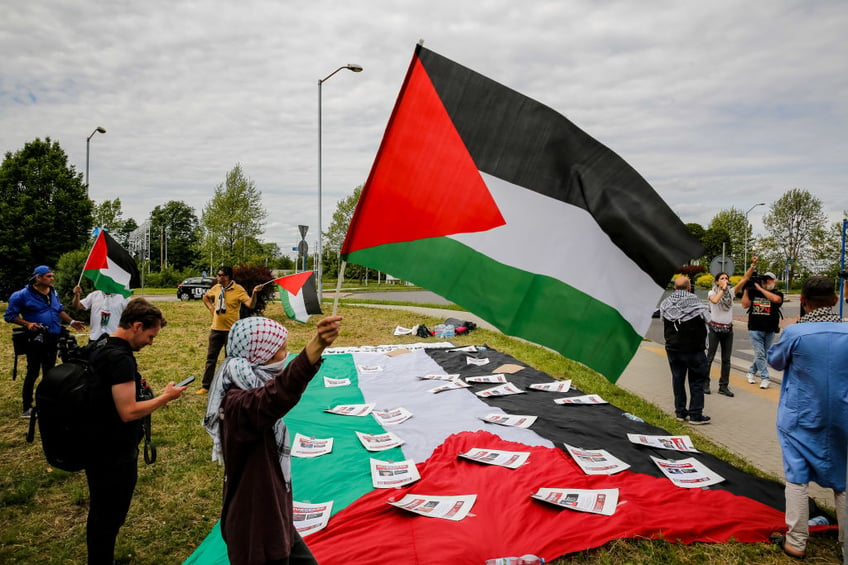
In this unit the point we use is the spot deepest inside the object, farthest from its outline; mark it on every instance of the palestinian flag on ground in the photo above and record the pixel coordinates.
(503, 206)
(365, 529)
(299, 295)
(110, 267)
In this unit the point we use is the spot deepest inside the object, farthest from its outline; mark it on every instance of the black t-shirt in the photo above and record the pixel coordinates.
(114, 364)
(763, 314)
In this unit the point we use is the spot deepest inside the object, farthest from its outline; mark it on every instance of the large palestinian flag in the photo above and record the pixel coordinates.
(365, 529)
(299, 296)
(503, 206)
(110, 267)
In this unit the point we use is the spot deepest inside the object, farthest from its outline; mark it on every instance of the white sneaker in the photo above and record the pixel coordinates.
(751, 378)
(764, 383)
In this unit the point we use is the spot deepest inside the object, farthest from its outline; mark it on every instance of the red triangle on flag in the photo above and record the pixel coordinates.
(424, 182)
(293, 283)
(98, 255)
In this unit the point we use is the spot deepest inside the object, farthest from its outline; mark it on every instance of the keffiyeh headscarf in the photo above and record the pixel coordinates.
(251, 343)
(221, 302)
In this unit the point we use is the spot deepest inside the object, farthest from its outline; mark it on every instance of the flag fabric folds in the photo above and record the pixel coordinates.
(503, 206)
(110, 267)
(299, 295)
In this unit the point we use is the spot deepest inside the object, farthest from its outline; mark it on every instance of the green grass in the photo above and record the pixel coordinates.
(178, 499)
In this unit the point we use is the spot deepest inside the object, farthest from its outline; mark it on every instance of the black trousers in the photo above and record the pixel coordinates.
(300, 554)
(217, 341)
(41, 356)
(110, 485)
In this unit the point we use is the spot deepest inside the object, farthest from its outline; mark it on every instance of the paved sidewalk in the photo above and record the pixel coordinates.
(744, 424)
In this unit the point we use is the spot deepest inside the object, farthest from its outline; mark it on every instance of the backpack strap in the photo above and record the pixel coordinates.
(149, 446)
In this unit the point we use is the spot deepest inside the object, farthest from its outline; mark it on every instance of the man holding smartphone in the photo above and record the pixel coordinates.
(112, 468)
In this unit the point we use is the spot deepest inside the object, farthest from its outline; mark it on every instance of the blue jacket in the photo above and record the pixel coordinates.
(33, 306)
(812, 415)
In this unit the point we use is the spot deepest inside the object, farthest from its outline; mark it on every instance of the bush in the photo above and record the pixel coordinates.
(705, 281)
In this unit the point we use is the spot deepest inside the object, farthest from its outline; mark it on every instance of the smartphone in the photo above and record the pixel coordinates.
(186, 381)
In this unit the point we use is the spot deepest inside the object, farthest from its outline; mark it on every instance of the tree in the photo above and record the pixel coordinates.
(233, 216)
(174, 233)
(108, 214)
(44, 210)
(713, 240)
(733, 224)
(793, 223)
(335, 235)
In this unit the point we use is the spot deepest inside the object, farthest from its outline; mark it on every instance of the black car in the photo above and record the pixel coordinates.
(194, 287)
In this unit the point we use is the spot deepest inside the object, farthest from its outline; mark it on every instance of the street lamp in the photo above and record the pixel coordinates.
(98, 129)
(745, 256)
(356, 69)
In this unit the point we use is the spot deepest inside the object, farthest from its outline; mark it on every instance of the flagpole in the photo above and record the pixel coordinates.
(90, 251)
(339, 287)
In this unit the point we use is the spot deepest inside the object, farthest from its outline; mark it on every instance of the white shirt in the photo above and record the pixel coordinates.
(106, 310)
(717, 313)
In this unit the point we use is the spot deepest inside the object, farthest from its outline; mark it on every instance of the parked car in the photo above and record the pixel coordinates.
(194, 287)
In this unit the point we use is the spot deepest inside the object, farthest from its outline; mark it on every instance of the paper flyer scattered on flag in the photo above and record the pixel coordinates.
(451, 385)
(596, 461)
(557, 386)
(514, 420)
(370, 369)
(310, 518)
(388, 474)
(508, 459)
(446, 507)
(477, 362)
(299, 295)
(584, 399)
(503, 206)
(487, 379)
(304, 446)
(110, 267)
(687, 473)
(400, 330)
(600, 501)
(392, 417)
(501, 390)
(677, 443)
(330, 382)
(351, 409)
(440, 377)
(379, 442)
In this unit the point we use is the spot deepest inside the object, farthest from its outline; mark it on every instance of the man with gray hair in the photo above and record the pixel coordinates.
(685, 319)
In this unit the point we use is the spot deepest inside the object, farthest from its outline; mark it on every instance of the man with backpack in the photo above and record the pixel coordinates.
(112, 463)
(36, 308)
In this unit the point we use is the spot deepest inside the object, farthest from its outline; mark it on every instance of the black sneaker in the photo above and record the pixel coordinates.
(707, 390)
(726, 391)
(27, 413)
(699, 420)
(681, 418)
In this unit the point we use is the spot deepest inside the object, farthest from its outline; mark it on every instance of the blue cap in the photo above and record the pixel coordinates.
(41, 270)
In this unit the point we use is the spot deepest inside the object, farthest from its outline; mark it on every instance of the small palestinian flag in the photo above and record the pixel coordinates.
(299, 295)
(110, 267)
(506, 208)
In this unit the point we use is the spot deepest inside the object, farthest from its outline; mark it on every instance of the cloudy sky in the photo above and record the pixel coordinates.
(717, 104)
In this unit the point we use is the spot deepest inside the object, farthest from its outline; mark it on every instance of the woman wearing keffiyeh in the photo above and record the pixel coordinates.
(721, 326)
(251, 392)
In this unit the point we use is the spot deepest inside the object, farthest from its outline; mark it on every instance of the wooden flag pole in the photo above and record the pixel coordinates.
(339, 287)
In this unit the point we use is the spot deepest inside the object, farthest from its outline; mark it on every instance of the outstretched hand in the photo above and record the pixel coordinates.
(326, 334)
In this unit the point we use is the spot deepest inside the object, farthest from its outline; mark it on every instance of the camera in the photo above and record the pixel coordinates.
(68, 346)
(755, 279)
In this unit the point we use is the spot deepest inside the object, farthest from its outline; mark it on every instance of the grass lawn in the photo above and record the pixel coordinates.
(178, 499)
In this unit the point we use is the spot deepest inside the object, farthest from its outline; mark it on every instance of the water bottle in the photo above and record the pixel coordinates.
(819, 521)
(523, 560)
(630, 416)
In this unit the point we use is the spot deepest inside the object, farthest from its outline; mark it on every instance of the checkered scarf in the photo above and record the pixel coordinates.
(823, 314)
(221, 303)
(251, 343)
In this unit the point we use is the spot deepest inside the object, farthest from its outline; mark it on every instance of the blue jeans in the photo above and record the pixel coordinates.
(760, 341)
(695, 363)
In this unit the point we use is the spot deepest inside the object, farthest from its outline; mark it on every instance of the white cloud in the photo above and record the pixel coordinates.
(717, 104)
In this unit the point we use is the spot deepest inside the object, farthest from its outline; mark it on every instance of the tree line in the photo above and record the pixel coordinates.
(46, 213)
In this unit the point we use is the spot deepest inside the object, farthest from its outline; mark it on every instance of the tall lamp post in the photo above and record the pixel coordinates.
(745, 255)
(98, 129)
(356, 69)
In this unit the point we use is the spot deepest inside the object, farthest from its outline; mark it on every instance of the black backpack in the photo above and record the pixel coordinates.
(65, 400)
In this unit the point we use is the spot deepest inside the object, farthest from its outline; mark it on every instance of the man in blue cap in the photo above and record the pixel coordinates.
(36, 307)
